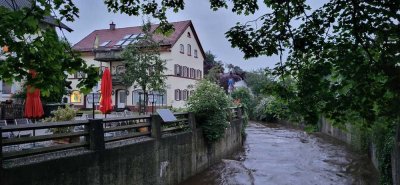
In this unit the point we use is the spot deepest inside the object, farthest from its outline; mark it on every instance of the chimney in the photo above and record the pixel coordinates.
(112, 26)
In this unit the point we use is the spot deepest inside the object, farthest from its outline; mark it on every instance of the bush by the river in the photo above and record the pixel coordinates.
(209, 103)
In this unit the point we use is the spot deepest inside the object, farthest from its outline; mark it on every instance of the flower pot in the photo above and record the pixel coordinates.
(68, 140)
(143, 129)
(61, 141)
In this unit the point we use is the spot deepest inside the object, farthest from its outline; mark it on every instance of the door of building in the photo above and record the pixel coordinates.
(121, 99)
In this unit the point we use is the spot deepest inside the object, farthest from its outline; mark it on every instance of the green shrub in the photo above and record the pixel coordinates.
(175, 109)
(209, 103)
(383, 136)
(62, 114)
(246, 99)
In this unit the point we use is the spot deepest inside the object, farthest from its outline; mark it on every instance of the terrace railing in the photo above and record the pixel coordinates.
(92, 134)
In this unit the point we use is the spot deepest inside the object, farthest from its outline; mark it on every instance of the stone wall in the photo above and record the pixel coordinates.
(158, 160)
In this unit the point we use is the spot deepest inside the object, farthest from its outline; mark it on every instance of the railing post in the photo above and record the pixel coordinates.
(192, 121)
(1, 156)
(230, 115)
(239, 113)
(96, 135)
(156, 126)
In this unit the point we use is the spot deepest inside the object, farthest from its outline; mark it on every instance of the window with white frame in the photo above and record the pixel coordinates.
(80, 74)
(188, 34)
(185, 95)
(198, 76)
(177, 95)
(192, 73)
(189, 50)
(137, 96)
(182, 50)
(184, 71)
(178, 70)
(195, 53)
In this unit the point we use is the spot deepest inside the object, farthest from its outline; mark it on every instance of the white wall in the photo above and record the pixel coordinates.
(176, 57)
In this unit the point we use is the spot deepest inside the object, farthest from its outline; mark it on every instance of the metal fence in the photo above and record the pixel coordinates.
(91, 134)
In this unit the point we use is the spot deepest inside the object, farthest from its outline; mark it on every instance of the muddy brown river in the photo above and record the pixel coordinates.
(278, 155)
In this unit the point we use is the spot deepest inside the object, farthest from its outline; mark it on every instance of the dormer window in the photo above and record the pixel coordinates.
(188, 35)
(195, 53)
(182, 49)
(189, 50)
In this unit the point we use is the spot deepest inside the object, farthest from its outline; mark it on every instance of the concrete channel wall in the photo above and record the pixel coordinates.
(347, 136)
(164, 160)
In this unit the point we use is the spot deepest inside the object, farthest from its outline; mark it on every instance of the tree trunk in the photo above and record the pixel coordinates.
(145, 101)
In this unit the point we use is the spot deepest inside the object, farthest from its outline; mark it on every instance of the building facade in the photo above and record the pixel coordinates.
(182, 51)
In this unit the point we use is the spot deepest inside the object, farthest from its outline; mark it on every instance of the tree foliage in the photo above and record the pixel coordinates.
(260, 81)
(210, 103)
(210, 63)
(34, 46)
(143, 64)
(246, 99)
(343, 57)
(345, 49)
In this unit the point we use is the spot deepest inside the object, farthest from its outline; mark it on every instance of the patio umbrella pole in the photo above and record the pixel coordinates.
(93, 104)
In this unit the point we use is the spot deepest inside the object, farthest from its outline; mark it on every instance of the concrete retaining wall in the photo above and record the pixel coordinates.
(347, 136)
(167, 160)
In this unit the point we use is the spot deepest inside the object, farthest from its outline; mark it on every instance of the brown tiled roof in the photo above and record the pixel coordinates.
(104, 35)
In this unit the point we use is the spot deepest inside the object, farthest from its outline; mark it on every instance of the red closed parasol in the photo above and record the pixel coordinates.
(106, 88)
(33, 104)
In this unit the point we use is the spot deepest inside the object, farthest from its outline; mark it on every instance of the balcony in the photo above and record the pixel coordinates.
(108, 55)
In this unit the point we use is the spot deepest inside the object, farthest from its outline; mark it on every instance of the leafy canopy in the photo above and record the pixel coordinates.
(143, 64)
(33, 45)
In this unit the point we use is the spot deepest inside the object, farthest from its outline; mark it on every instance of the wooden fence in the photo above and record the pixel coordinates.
(93, 134)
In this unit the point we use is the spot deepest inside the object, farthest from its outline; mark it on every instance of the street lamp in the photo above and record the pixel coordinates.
(152, 101)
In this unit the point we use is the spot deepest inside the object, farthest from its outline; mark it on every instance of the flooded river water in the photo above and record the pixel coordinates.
(277, 155)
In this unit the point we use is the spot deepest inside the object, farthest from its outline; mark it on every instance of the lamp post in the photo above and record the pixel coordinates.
(94, 99)
(152, 101)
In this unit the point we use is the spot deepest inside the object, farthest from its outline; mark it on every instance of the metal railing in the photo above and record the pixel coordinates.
(181, 124)
(93, 134)
(125, 128)
(17, 141)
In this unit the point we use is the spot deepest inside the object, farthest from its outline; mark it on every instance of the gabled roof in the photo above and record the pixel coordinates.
(117, 34)
(19, 4)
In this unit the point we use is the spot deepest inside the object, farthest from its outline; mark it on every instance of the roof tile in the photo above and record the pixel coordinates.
(87, 43)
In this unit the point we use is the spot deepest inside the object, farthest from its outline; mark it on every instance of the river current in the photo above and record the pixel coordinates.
(278, 155)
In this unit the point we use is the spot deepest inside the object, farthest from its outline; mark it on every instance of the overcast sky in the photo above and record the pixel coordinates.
(210, 27)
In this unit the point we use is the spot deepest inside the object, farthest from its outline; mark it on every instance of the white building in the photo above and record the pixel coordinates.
(182, 51)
